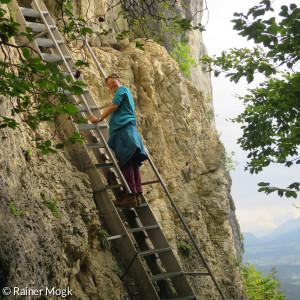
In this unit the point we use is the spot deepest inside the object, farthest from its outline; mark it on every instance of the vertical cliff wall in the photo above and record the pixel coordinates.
(39, 249)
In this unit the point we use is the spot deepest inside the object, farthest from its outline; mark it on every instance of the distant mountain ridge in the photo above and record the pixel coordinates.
(287, 232)
(281, 249)
(288, 226)
(281, 246)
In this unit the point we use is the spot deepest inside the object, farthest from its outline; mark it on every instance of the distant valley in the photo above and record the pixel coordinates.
(280, 249)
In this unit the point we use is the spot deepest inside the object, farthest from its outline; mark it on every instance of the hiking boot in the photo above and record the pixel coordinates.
(129, 200)
(138, 199)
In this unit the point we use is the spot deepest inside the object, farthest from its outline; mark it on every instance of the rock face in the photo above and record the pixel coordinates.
(39, 249)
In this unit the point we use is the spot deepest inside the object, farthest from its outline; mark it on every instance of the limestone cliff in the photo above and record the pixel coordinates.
(38, 249)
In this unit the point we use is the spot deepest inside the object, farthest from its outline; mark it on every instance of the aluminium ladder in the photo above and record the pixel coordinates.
(145, 251)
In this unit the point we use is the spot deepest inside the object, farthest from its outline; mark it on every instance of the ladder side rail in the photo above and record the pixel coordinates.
(83, 98)
(111, 156)
(53, 38)
(23, 23)
(187, 229)
(91, 51)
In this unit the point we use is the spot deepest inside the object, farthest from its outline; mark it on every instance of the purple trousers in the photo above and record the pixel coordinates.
(131, 173)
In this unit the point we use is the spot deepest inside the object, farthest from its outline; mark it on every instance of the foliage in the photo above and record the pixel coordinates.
(185, 249)
(159, 20)
(270, 121)
(38, 92)
(259, 286)
(14, 211)
(29, 151)
(141, 15)
(230, 163)
(52, 205)
(103, 235)
(181, 54)
(73, 27)
(118, 271)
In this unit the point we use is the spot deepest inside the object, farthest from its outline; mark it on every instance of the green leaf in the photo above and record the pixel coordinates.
(26, 53)
(42, 83)
(85, 30)
(80, 63)
(79, 83)
(59, 146)
(289, 163)
(81, 20)
(52, 150)
(68, 78)
(76, 90)
(47, 143)
(38, 139)
(139, 46)
(60, 109)
(263, 184)
(71, 108)
(250, 78)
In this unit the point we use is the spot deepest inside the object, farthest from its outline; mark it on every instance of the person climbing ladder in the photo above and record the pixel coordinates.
(124, 138)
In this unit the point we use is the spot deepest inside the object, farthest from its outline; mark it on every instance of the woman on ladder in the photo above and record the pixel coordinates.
(124, 138)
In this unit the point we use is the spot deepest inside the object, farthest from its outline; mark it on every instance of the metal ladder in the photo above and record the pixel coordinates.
(144, 250)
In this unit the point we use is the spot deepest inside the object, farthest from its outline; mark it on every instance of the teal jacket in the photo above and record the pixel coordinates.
(125, 112)
(124, 138)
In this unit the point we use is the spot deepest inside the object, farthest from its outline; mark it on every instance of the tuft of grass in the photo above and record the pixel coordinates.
(14, 211)
(118, 271)
(103, 235)
(185, 249)
(52, 205)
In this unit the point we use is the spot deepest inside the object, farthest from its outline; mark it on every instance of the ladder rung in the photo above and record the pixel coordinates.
(66, 73)
(182, 298)
(143, 228)
(30, 12)
(54, 57)
(94, 146)
(197, 274)
(150, 182)
(143, 205)
(104, 166)
(114, 237)
(165, 275)
(82, 108)
(109, 187)
(39, 27)
(83, 127)
(43, 42)
(154, 251)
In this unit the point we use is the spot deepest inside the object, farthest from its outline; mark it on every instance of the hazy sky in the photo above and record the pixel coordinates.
(257, 213)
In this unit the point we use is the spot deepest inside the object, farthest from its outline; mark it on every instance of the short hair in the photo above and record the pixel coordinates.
(113, 75)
